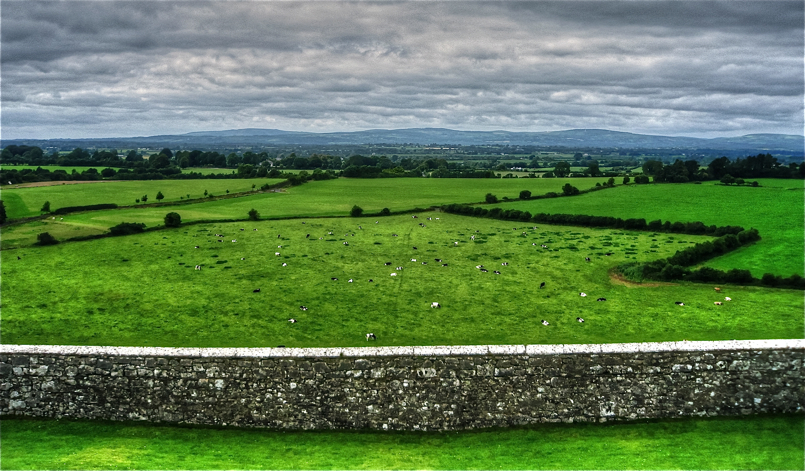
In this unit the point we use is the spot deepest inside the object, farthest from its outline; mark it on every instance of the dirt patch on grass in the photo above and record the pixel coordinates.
(71, 182)
(620, 280)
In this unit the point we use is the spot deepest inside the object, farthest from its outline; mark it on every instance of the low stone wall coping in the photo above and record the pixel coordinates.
(558, 349)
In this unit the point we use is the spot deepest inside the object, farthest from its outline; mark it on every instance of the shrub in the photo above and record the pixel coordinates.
(525, 194)
(126, 228)
(254, 215)
(160, 196)
(45, 238)
(769, 279)
(641, 179)
(89, 207)
(3, 215)
(172, 219)
(385, 212)
(626, 180)
(569, 190)
(490, 198)
(356, 211)
(46, 207)
(144, 198)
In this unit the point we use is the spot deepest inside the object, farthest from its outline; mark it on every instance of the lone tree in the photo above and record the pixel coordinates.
(160, 196)
(45, 238)
(172, 219)
(525, 194)
(46, 207)
(2, 212)
(254, 215)
(490, 198)
(727, 179)
(385, 212)
(626, 180)
(356, 211)
(561, 169)
(144, 198)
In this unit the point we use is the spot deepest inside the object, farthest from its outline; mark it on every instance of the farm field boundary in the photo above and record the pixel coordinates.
(404, 388)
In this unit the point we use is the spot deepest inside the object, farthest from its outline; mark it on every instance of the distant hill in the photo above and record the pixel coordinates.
(574, 138)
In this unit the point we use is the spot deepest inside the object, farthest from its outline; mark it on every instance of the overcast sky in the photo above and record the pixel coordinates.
(113, 68)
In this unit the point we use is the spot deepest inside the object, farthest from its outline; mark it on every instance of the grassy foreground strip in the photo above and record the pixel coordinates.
(756, 442)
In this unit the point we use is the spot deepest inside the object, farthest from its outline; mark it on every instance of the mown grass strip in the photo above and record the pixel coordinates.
(756, 442)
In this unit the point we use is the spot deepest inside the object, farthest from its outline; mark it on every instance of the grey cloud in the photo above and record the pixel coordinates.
(663, 67)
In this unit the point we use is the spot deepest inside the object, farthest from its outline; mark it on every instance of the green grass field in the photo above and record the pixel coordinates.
(323, 198)
(757, 442)
(26, 202)
(143, 289)
(776, 209)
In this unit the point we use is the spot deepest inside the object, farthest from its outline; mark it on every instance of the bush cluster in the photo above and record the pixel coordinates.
(126, 228)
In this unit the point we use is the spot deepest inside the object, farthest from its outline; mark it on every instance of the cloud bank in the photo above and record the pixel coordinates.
(104, 69)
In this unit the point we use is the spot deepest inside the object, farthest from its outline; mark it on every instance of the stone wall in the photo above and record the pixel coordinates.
(404, 388)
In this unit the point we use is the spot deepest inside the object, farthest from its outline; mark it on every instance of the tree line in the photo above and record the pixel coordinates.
(724, 170)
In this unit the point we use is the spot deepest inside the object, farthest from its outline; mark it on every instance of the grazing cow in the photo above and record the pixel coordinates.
(371, 280)
(437, 305)
(304, 308)
(398, 268)
(444, 264)
(505, 264)
(254, 229)
(330, 233)
(479, 266)
(717, 289)
(496, 272)
(718, 303)
(360, 227)
(284, 264)
(279, 246)
(679, 303)
(234, 240)
(413, 260)
(455, 243)
(349, 281)
(727, 299)
(580, 319)
(587, 259)
(414, 248)
(394, 235)
(334, 279)
(242, 258)
(198, 267)
(292, 320)
(608, 254)
(437, 219)
(278, 236)
(197, 246)
(256, 290)
(242, 229)
(387, 263)
(542, 285)
(533, 243)
(277, 254)
(371, 336)
(437, 259)
(601, 299)
(219, 240)
(393, 274)
(307, 236)
(414, 217)
(583, 295)
(544, 246)
(346, 243)
(544, 322)
(484, 270)
(18, 258)
(472, 237)
(424, 263)
(377, 222)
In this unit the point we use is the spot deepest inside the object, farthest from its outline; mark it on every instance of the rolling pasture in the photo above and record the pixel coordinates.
(318, 198)
(776, 209)
(144, 289)
(26, 202)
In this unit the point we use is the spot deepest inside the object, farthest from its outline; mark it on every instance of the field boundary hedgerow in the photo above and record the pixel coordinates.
(730, 238)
